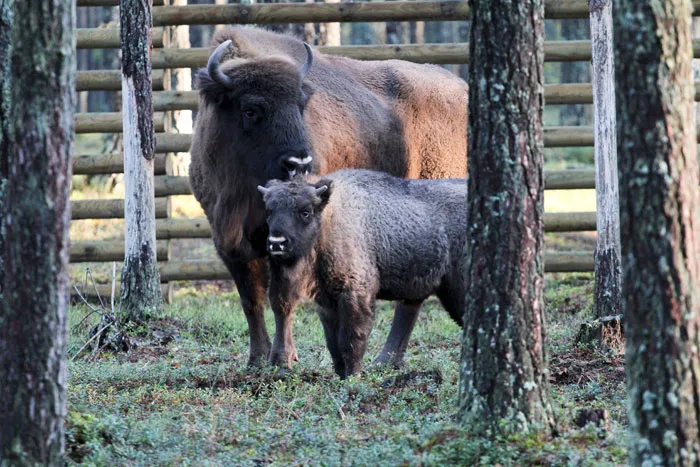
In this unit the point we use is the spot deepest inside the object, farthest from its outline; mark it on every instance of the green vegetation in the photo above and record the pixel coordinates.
(184, 397)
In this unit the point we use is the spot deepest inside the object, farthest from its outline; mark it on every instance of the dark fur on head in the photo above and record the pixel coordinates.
(294, 210)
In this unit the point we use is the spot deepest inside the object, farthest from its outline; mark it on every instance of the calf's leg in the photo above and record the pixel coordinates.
(355, 319)
(284, 297)
(329, 319)
(251, 280)
(405, 317)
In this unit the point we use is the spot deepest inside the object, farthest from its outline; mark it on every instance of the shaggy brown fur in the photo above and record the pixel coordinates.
(358, 235)
(402, 118)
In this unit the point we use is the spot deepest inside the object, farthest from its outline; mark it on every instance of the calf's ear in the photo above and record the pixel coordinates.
(323, 190)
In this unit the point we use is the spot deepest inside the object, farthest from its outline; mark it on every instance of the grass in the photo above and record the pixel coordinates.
(184, 397)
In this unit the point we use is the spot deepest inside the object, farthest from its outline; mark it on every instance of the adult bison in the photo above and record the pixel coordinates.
(270, 107)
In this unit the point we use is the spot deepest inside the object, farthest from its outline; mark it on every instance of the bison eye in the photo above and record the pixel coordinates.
(250, 113)
(305, 214)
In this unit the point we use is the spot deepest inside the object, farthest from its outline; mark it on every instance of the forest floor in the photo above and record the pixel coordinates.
(183, 395)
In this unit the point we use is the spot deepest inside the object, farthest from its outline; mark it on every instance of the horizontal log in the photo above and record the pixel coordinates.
(170, 185)
(109, 122)
(310, 13)
(175, 100)
(569, 179)
(111, 208)
(569, 262)
(182, 228)
(569, 221)
(112, 163)
(173, 142)
(105, 292)
(553, 137)
(554, 51)
(214, 269)
(554, 94)
(110, 3)
(108, 38)
(97, 252)
(109, 80)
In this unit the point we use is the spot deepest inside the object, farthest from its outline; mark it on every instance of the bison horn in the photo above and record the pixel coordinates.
(213, 66)
(309, 61)
(321, 190)
(262, 189)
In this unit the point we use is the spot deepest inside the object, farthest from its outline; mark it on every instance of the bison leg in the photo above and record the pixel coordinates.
(355, 319)
(284, 297)
(405, 317)
(330, 329)
(251, 281)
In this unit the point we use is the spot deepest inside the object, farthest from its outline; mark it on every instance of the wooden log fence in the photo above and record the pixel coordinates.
(109, 80)
(108, 38)
(103, 164)
(110, 208)
(82, 252)
(166, 185)
(344, 12)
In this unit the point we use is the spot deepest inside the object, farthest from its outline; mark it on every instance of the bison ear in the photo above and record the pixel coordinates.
(323, 189)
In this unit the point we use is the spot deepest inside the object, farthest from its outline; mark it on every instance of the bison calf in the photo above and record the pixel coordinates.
(355, 236)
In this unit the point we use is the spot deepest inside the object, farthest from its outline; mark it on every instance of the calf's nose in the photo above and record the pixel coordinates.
(277, 244)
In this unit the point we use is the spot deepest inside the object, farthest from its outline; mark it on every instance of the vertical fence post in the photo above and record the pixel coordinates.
(140, 291)
(608, 273)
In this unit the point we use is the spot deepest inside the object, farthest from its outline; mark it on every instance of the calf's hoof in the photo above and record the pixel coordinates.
(283, 359)
(258, 358)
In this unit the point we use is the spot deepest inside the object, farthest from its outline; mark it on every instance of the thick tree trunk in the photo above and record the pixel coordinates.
(140, 291)
(503, 384)
(660, 226)
(36, 146)
(608, 268)
(5, 51)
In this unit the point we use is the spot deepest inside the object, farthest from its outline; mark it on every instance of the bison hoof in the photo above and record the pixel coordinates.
(388, 361)
(283, 359)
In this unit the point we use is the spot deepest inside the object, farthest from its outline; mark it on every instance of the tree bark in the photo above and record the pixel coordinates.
(608, 267)
(140, 291)
(36, 147)
(503, 377)
(660, 225)
(5, 51)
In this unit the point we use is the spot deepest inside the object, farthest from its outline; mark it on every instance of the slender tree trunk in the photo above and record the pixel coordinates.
(140, 291)
(608, 268)
(36, 146)
(398, 32)
(503, 377)
(660, 216)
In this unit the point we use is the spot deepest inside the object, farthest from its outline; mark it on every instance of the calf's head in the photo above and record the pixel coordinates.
(259, 105)
(294, 216)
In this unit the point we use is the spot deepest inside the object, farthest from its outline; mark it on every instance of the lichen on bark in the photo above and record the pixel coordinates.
(503, 382)
(660, 227)
(37, 128)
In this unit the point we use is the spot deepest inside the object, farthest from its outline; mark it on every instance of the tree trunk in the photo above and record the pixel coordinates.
(140, 291)
(608, 269)
(503, 379)
(660, 225)
(36, 147)
(329, 33)
(5, 51)
(398, 32)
